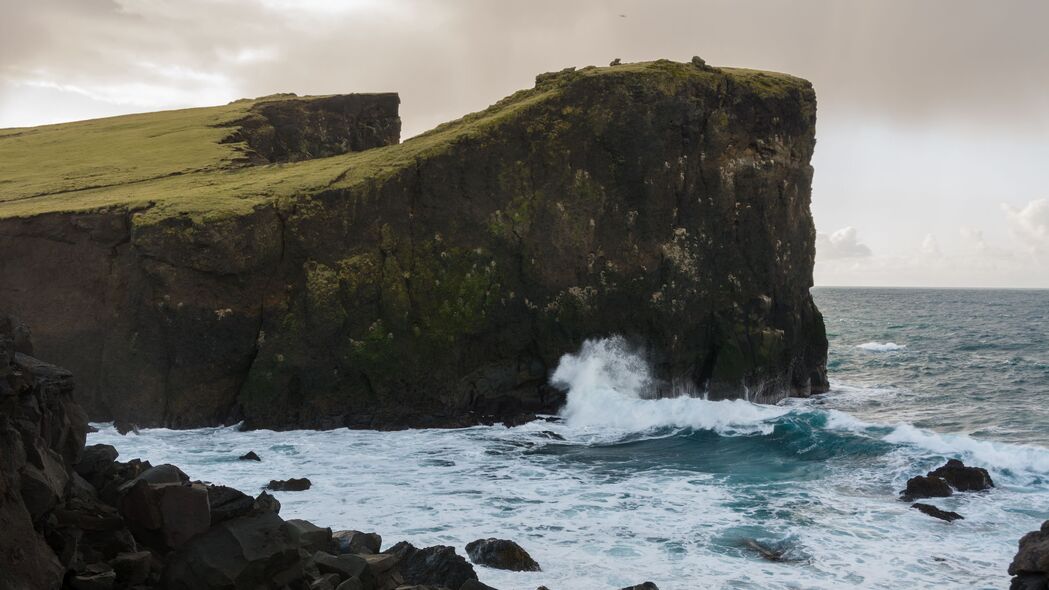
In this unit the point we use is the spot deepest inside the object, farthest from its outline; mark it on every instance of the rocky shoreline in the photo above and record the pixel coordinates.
(76, 517)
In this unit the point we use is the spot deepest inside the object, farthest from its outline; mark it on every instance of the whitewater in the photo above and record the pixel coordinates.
(688, 493)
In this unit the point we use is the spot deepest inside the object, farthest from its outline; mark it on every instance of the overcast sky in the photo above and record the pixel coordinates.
(932, 164)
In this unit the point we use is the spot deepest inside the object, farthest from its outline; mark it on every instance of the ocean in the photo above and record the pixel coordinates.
(690, 493)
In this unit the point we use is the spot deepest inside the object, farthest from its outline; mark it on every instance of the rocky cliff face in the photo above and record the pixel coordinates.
(42, 431)
(437, 282)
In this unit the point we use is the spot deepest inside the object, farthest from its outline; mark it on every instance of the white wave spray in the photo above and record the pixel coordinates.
(608, 383)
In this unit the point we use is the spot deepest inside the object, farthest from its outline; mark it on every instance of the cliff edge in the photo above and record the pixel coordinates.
(433, 282)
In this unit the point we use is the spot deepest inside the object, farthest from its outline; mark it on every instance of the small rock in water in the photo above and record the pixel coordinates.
(501, 554)
(294, 484)
(249, 456)
(643, 586)
(769, 553)
(926, 486)
(936, 512)
(963, 478)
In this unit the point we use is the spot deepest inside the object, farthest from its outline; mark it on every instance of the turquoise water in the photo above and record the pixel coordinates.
(691, 493)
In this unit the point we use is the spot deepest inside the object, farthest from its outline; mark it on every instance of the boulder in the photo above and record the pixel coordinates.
(94, 461)
(289, 485)
(266, 503)
(132, 568)
(963, 478)
(433, 566)
(925, 486)
(356, 542)
(1032, 558)
(309, 536)
(227, 503)
(346, 566)
(245, 553)
(1029, 582)
(249, 456)
(643, 586)
(326, 582)
(165, 516)
(936, 512)
(501, 554)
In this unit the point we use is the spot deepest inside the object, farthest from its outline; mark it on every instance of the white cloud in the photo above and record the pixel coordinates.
(1030, 225)
(843, 243)
(931, 247)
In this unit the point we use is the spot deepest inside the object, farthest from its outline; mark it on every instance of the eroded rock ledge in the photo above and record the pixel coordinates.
(437, 282)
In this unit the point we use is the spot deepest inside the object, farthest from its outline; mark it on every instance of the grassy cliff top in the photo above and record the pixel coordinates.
(176, 163)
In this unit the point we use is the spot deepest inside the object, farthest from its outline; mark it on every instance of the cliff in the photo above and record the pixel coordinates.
(433, 282)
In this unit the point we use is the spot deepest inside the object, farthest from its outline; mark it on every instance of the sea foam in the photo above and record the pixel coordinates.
(881, 346)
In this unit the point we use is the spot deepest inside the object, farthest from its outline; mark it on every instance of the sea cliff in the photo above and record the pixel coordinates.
(287, 263)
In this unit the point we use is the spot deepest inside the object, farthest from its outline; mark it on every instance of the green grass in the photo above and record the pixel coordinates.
(173, 161)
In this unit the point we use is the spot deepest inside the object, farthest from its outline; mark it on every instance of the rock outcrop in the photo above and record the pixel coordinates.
(42, 430)
(76, 517)
(436, 282)
(1030, 566)
(943, 481)
(501, 554)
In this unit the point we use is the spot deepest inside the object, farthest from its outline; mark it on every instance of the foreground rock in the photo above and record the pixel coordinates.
(1030, 566)
(935, 512)
(41, 432)
(941, 482)
(432, 566)
(501, 554)
(101, 524)
(438, 282)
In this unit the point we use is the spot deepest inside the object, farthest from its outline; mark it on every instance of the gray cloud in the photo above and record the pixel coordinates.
(965, 60)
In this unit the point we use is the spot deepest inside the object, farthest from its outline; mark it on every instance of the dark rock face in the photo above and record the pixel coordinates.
(501, 554)
(926, 486)
(665, 202)
(643, 586)
(356, 542)
(962, 478)
(291, 129)
(295, 484)
(250, 456)
(432, 566)
(942, 481)
(937, 512)
(1030, 566)
(41, 432)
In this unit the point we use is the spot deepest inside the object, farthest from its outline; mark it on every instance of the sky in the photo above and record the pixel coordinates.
(932, 157)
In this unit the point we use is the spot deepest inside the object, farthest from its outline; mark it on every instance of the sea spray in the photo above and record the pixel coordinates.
(611, 391)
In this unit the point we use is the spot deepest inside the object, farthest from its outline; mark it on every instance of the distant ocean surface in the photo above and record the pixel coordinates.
(686, 492)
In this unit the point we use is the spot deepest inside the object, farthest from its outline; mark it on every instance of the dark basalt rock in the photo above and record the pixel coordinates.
(432, 566)
(962, 478)
(925, 486)
(356, 542)
(936, 512)
(475, 585)
(247, 552)
(249, 456)
(643, 586)
(501, 554)
(294, 484)
(1030, 566)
